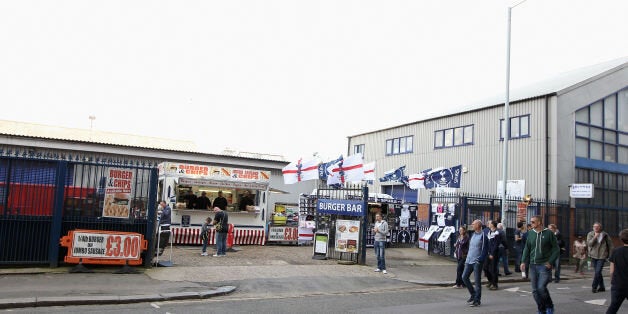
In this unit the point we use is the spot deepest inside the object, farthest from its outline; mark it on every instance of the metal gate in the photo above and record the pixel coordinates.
(469, 207)
(43, 197)
(328, 223)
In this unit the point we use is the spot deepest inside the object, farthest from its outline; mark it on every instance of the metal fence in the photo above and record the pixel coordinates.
(461, 209)
(42, 197)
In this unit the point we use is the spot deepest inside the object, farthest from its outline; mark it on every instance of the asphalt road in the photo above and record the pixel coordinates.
(276, 296)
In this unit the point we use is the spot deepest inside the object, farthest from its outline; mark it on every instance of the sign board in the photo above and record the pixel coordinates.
(514, 188)
(185, 220)
(341, 207)
(118, 193)
(347, 236)
(104, 247)
(581, 190)
(278, 234)
(320, 245)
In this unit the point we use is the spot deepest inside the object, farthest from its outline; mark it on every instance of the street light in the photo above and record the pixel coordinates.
(506, 117)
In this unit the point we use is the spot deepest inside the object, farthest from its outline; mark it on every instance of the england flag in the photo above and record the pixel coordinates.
(416, 181)
(300, 171)
(350, 169)
(369, 171)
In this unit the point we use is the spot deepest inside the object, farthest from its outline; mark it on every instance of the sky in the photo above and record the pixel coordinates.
(285, 77)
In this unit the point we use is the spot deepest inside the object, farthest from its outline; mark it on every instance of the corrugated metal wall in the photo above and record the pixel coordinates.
(483, 159)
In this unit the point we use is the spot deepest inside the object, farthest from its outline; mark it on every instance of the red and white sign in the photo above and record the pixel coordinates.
(106, 245)
(276, 234)
(213, 172)
(118, 193)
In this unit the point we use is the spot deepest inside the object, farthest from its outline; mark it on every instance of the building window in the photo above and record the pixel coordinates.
(602, 131)
(459, 136)
(400, 145)
(519, 127)
(358, 149)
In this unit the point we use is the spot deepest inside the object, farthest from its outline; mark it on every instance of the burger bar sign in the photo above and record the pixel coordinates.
(340, 207)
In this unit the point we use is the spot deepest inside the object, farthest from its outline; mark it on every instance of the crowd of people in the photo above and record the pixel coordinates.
(538, 251)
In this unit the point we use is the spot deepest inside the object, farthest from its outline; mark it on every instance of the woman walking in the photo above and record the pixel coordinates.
(462, 248)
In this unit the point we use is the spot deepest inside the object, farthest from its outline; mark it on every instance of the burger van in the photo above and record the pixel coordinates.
(181, 183)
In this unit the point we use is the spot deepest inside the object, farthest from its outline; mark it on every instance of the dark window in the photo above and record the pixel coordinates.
(458, 136)
(519, 127)
(400, 145)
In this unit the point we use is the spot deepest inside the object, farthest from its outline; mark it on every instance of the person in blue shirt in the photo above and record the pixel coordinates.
(478, 249)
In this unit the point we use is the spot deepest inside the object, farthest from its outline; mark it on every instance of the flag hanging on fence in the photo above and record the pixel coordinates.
(300, 171)
(393, 175)
(350, 169)
(444, 177)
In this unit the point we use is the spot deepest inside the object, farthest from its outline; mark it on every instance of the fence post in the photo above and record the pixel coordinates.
(57, 214)
(151, 217)
(365, 206)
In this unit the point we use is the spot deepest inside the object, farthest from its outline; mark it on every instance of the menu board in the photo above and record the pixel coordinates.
(347, 236)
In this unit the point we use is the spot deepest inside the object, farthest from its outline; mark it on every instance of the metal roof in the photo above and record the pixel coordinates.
(26, 129)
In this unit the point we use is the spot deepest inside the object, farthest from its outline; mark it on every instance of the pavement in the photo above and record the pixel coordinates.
(193, 276)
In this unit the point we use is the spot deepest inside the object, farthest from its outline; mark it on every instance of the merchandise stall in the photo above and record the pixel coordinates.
(180, 184)
(283, 227)
(401, 219)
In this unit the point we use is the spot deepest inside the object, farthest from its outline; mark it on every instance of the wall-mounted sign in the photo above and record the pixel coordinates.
(341, 207)
(581, 190)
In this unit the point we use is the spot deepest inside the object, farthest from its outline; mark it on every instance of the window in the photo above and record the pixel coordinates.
(459, 136)
(519, 127)
(358, 149)
(601, 129)
(400, 145)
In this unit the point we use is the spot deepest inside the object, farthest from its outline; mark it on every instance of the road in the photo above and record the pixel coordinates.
(277, 296)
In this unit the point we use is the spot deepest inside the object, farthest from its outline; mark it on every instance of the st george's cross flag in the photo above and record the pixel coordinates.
(416, 181)
(300, 171)
(350, 169)
(369, 171)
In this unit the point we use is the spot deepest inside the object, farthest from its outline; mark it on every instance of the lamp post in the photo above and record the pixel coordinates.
(506, 131)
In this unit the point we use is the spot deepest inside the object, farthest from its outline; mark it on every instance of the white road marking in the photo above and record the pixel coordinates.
(596, 302)
(154, 305)
(514, 289)
(565, 288)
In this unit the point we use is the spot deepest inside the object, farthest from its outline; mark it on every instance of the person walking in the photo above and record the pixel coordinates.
(205, 234)
(600, 246)
(491, 267)
(462, 249)
(580, 254)
(221, 225)
(619, 274)
(518, 247)
(561, 247)
(380, 230)
(540, 252)
(503, 249)
(478, 249)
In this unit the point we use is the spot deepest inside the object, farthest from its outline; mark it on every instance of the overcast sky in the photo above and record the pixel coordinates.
(284, 77)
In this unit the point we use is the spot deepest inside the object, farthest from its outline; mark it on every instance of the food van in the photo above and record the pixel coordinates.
(177, 181)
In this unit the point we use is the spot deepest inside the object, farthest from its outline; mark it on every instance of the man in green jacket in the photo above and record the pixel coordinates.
(540, 252)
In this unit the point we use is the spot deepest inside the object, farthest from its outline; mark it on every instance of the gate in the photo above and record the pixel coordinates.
(42, 197)
(464, 208)
(329, 223)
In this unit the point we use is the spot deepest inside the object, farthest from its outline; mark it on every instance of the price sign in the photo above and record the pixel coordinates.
(106, 245)
(283, 234)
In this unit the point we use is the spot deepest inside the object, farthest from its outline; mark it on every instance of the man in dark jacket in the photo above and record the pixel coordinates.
(561, 247)
(540, 252)
(221, 225)
(491, 267)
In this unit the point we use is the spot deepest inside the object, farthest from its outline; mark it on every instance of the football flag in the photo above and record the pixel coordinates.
(300, 171)
(322, 168)
(444, 177)
(369, 171)
(393, 175)
(350, 169)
